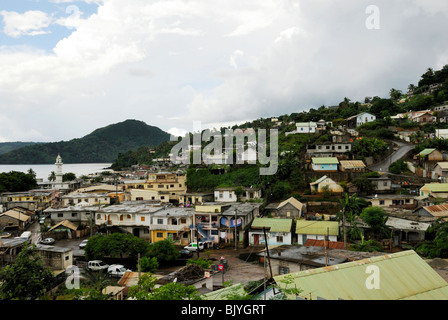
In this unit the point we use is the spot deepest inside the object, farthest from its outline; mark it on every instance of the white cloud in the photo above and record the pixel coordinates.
(30, 23)
(171, 62)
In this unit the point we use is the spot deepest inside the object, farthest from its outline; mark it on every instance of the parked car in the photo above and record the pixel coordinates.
(25, 235)
(117, 270)
(194, 246)
(83, 244)
(97, 265)
(184, 253)
(48, 241)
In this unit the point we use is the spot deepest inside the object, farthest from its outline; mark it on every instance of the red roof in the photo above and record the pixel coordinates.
(329, 244)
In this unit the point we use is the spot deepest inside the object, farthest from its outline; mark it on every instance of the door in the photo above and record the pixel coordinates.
(256, 239)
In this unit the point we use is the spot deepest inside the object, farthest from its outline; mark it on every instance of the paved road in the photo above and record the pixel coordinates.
(403, 148)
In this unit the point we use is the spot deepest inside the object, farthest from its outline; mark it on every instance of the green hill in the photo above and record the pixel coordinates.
(101, 146)
(6, 147)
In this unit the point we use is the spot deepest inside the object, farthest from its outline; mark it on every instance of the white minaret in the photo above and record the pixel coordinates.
(58, 169)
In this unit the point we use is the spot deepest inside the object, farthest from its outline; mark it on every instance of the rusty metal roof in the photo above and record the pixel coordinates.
(400, 276)
(440, 210)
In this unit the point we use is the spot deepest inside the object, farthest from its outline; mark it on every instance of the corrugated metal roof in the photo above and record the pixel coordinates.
(325, 160)
(425, 152)
(436, 187)
(293, 201)
(275, 224)
(322, 243)
(317, 227)
(352, 164)
(403, 275)
(440, 210)
(443, 165)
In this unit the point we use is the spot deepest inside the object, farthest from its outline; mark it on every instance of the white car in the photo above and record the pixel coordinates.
(83, 244)
(117, 270)
(97, 265)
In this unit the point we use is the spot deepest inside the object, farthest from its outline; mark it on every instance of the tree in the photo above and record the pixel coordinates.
(69, 176)
(164, 251)
(149, 264)
(395, 94)
(238, 192)
(52, 176)
(145, 290)
(26, 278)
(114, 245)
(16, 181)
(376, 218)
(437, 244)
(350, 207)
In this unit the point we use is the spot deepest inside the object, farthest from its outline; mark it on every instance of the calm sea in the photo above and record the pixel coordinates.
(44, 170)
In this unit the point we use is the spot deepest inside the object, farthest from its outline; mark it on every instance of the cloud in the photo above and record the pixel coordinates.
(172, 62)
(30, 23)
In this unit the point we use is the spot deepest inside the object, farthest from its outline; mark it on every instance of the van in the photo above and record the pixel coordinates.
(26, 235)
(97, 265)
(194, 246)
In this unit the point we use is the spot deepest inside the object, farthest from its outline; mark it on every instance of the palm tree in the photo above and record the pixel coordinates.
(52, 176)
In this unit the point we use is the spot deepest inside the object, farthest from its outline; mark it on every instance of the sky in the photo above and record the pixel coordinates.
(68, 67)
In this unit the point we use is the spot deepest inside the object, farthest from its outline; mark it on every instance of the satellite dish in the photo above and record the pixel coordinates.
(376, 196)
(175, 280)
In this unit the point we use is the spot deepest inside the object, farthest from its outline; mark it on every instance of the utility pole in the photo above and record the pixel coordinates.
(343, 227)
(235, 232)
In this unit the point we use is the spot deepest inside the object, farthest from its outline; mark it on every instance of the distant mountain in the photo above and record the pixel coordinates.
(101, 146)
(6, 147)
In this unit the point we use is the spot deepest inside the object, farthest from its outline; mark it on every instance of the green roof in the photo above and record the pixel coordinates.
(401, 276)
(436, 187)
(323, 160)
(425, 152)
(276, 224)
(317, 227)
(223, 294)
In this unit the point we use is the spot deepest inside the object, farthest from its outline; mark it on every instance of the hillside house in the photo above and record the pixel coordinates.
(326, 184)
(316, 230)
(329, 164)
(14, 220)
(278, 231)
(433, 212)
(193, 198)
(228, 194)
(328, 149)
(401, 201)
(359, 119)
(289, 208)
(352, 166)
(304, 127)
(437, 190)
(441, 170)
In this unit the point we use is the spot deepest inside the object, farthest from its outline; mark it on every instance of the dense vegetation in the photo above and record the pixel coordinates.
(16, 181)
(102, 145)
(6, 147)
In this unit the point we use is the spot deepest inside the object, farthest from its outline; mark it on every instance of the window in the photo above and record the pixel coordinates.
(138, 198)
(283, 270)
(180, 185)
(142, 219)
(60, 215)
(171, 185)
(279, 239)
(149, 186)
(159, 221)
(159, 234)
(381, 202)
(160, 186)
(74, 214)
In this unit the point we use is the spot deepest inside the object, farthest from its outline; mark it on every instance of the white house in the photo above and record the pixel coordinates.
(360, 119)
(304, 127)
(228, 195)
(325, 182)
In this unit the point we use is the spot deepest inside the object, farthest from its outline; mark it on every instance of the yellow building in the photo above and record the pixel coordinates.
(171, 184)
(31, 200)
